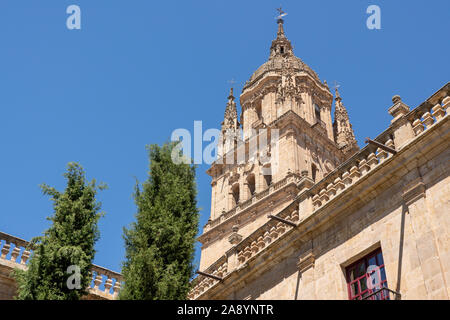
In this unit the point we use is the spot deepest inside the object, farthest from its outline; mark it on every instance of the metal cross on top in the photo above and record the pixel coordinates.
(281, 12)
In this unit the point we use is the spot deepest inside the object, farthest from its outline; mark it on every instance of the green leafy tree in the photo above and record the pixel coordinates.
(68, 242)
(160, 244)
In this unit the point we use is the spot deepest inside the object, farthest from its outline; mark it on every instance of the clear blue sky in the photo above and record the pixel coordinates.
(139, 69)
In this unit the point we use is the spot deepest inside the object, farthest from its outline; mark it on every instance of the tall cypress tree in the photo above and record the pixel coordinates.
(160, 244)
(68, 242)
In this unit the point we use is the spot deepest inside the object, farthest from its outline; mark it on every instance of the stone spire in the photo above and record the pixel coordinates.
(230, 126)
(280, 33)
(281, 45)
(230, 121)
(343, 131)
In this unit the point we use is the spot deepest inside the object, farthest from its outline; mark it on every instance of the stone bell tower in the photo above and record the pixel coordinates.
(286, 102)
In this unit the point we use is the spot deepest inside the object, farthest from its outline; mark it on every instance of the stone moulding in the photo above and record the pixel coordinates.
(306, 261)
(414, 192)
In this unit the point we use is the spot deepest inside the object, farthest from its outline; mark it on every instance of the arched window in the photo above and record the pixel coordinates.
(317, 112)
(235, 191)
(268, 179)
(314, 172)
(251, 184)
(258, 111)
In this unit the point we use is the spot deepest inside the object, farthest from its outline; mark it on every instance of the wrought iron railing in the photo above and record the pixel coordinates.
(383, 294)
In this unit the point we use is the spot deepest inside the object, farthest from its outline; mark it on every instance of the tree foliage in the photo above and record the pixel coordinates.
(69, 241)
(160, 243)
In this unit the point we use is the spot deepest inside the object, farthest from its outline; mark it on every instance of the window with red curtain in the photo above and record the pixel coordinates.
(366, 276)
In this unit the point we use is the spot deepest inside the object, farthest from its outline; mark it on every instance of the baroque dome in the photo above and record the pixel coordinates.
(281, 58)
(279, 63)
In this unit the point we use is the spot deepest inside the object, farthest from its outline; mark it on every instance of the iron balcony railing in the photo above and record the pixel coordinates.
(383, 294)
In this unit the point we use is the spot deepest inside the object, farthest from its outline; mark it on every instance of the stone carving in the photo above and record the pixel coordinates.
(343, 131)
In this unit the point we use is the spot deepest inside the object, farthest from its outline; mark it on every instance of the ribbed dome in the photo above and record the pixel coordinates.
(278, 63)
(281, 57)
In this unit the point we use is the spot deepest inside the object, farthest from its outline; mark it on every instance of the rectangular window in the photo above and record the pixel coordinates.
(367, 276)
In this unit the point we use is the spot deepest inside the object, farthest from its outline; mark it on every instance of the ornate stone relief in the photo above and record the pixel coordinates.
(235, 237)
(328, 166)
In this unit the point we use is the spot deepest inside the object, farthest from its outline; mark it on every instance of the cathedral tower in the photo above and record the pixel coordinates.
(287, 145)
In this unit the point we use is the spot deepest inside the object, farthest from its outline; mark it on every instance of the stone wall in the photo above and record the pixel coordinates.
(7, 284)
(394, 194)
(413, 238)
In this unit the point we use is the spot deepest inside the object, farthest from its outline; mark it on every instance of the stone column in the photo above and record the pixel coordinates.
(246, 121)
(326, 118)
(243, 189)
(213, 200)
(309, 108)
(266, 112)
(259, 180)
(230, 199)
(250, 117)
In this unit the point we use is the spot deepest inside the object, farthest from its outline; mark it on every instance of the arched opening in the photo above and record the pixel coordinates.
(251, 184)
(235, 193)
(317, 112)
(258, 111)
(268, 180)
(314, 172)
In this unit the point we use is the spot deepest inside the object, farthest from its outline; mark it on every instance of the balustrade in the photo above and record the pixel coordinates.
(15, 253)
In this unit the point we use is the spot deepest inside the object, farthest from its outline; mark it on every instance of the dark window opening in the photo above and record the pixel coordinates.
(251, 184)
(236, 194)
(258, 112)
(317, 112)
(314, 172)
(282, 49)
(268, 179)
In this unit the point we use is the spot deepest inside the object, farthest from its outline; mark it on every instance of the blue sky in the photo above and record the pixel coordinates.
(139, 69)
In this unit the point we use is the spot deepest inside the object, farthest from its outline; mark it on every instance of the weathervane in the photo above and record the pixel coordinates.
(336, 85)
(281, 12)
(232, 82)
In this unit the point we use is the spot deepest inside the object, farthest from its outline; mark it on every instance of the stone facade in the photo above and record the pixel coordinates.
(336, 203)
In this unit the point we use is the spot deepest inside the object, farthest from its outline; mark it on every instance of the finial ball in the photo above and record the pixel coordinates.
(396, 99)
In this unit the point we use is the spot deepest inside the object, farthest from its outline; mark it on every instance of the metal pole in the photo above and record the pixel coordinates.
(397, 294)
(209, 275)
(381, 146)
(282, 220)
